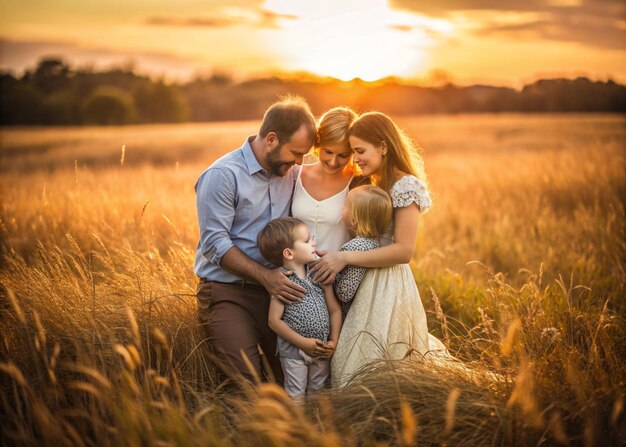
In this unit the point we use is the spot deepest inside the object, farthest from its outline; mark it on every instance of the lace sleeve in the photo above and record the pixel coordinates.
(408, 190)
(348, 280)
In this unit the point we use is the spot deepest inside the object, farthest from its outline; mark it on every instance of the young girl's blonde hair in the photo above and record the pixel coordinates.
(402, 153)
(333, 127)
(371, 210)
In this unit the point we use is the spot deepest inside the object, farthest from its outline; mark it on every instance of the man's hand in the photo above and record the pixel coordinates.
(327, 267)
(277, 283)
(313, 347)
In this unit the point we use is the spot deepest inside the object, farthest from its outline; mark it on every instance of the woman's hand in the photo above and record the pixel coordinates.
(327, 267)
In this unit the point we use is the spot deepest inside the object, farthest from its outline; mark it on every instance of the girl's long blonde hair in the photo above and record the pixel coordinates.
(371, 210)
(402, 153)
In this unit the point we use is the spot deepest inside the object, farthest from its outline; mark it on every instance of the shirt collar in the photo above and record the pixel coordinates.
(295, 278)
(251, 162)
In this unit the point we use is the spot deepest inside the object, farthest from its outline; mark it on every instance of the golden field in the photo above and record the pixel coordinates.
(520, 264)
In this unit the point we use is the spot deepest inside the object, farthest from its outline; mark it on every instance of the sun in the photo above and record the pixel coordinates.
(349, 51)
(360, 39)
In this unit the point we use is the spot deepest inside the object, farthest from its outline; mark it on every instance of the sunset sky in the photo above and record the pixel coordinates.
(501, 42)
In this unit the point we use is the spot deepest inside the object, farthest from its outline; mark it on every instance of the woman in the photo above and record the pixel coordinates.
(387, 317)
(321, 187)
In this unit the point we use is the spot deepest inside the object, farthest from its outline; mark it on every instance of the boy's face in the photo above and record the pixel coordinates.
(303, 250)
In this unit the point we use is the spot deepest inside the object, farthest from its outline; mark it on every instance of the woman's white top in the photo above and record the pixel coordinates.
(322, 217)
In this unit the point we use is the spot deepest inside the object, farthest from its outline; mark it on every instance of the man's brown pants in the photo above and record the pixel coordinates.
(235, 319)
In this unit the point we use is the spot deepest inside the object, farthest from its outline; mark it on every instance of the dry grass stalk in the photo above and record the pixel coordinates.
(453, 397)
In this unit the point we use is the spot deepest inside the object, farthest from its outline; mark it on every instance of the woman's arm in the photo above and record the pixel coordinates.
(399, 252)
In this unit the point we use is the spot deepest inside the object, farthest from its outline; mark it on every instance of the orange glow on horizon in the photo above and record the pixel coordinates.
(427, 43)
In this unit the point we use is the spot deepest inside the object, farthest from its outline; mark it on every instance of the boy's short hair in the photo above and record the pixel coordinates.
(276, 236)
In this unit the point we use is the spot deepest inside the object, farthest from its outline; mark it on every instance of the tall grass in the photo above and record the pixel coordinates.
(520, 264)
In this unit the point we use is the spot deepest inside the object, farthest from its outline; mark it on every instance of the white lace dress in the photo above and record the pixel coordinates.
(386, 317)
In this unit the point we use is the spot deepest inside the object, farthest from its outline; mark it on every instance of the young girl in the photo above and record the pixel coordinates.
(366, 213)
(387, 316)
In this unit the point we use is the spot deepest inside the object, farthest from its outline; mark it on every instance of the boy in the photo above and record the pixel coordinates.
(307, 330)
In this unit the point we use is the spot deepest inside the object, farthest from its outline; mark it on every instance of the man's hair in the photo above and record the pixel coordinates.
(371, 209)
(285, 117)
(276, 236)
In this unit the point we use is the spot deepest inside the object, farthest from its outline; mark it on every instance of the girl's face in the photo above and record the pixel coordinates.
(346, 214)
(335, 158)
(367, 156)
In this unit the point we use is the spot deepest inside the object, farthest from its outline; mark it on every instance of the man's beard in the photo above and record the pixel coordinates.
(273, 162)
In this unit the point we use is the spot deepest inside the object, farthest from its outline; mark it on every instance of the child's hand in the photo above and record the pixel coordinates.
(329, 347)
(313, 347)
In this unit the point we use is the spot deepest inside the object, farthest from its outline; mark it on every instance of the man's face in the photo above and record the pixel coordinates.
(284, 155)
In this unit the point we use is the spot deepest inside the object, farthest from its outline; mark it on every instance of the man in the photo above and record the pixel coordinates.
(236, 197)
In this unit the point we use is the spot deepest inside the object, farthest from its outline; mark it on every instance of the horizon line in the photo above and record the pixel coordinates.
(436, 78)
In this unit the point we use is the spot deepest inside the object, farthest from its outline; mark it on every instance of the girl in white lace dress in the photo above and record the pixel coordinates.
(387, 317)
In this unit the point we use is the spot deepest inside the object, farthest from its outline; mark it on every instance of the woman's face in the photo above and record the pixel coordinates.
(367, 156)
(335, 158)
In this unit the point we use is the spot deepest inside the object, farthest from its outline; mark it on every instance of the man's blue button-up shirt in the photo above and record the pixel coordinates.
(236, 198)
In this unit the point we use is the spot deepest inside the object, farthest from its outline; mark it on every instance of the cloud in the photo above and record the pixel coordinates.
(226, 18)
(568, 28)
(596, 23)
(599, 8)
(403, 28)
(217, 22)
(20, 55)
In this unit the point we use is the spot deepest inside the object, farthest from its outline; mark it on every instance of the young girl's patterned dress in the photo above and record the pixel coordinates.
(348, 280)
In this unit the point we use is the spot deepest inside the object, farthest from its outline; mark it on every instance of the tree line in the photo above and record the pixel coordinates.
(55, 94)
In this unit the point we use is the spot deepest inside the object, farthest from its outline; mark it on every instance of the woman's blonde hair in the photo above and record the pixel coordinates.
(371, 210)
(402, 153)
(333, 127)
